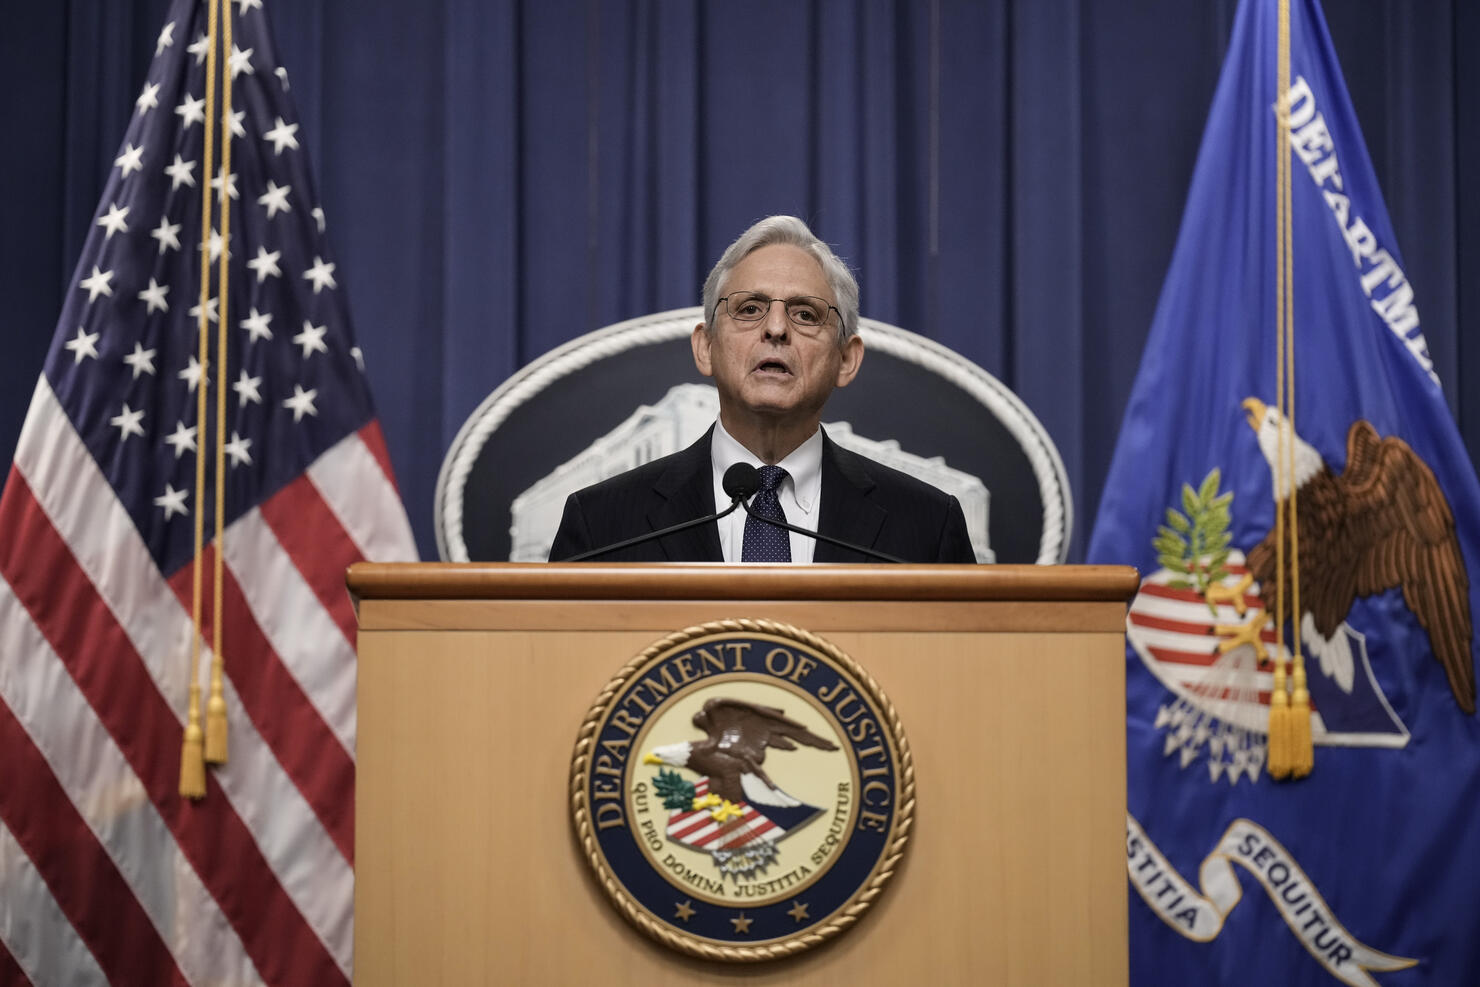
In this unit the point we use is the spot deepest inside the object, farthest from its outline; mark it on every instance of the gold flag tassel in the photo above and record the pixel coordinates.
(216, 746)
(1280, 761)
(192, 754)
(1302, 752)
(192, 750)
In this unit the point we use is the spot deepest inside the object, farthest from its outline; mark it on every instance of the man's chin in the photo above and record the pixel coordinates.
(771, 401)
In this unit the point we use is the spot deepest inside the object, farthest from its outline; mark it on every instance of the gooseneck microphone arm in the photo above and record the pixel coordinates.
(882, 556)
(740, 481)
(650, 535)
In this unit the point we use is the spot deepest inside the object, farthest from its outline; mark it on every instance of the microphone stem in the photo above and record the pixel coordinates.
(651, 535)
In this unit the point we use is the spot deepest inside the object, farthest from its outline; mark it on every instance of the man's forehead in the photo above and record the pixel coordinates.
(780, 269)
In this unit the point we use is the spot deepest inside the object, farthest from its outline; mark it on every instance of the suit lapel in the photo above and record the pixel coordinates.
(686, 491)
(847, 510)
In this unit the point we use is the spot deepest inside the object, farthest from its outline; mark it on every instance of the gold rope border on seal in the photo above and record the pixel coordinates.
(861, 899)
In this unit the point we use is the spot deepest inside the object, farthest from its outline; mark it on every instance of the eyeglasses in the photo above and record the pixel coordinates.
(807, 312)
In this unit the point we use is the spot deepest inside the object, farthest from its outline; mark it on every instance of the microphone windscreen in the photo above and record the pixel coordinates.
(741, 480)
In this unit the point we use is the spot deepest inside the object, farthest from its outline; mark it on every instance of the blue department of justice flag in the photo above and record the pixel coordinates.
(1368, 870)
(109, 875)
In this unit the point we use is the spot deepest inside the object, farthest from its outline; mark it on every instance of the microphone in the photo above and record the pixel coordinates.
(817, 535)
(740, 481)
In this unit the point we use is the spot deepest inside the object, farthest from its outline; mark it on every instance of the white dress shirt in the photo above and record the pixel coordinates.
(800, 493)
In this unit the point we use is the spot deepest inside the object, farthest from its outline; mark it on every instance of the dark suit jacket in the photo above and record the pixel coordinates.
(863, 502)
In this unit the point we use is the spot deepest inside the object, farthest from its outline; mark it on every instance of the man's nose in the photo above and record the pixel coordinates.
(777, 323)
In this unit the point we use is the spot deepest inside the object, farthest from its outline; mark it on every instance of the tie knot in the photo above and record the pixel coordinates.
(771, 477)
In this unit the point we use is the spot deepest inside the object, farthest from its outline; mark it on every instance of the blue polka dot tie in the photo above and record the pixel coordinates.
(766, 542)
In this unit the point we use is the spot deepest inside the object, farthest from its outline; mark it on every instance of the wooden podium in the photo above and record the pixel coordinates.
(474, 680)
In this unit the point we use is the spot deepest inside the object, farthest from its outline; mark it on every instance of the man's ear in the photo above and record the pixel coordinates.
(699, 340)
(852, 352)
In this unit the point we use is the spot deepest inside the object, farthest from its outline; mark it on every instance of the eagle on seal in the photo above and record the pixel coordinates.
(739, 733)
(1383, 522)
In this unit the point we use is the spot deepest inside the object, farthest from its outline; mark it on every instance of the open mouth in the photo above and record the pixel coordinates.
(772, 367)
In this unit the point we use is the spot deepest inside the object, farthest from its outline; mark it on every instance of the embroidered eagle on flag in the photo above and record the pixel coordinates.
(1381, 523)
(735, 811)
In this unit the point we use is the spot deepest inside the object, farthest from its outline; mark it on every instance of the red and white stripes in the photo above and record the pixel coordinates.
(108, 873)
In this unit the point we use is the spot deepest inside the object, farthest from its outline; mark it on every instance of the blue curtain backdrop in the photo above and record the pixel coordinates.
(500, 176)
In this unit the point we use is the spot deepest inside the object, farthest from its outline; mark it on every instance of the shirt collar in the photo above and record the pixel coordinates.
(803, 466)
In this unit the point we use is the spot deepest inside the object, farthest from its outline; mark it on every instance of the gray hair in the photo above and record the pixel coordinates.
(789, 230)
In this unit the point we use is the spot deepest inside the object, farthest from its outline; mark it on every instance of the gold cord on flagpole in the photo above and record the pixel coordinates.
(1290, 752)
(1279, 701)
(1301, 752)
(216, 746)
(192, 750)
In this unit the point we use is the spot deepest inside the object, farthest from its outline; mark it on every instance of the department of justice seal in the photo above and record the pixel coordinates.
(743, 790)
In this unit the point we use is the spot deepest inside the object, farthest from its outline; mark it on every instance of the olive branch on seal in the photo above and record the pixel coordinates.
(675, 792)
(1195, 544)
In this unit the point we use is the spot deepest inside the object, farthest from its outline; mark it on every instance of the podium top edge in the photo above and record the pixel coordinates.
(717, 581)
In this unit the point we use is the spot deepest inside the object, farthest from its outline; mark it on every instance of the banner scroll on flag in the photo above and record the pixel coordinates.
(108, 875)
(1364, 871)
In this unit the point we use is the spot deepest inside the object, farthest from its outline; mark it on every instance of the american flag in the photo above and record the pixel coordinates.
(106, 873)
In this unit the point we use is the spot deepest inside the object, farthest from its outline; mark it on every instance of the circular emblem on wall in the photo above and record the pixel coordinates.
(630, 393)
(743, 790)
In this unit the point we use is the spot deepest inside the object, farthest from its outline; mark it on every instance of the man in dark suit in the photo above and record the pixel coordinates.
(780, 332)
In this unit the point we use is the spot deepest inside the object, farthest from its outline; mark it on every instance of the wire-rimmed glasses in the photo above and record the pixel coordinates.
(807, 312)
